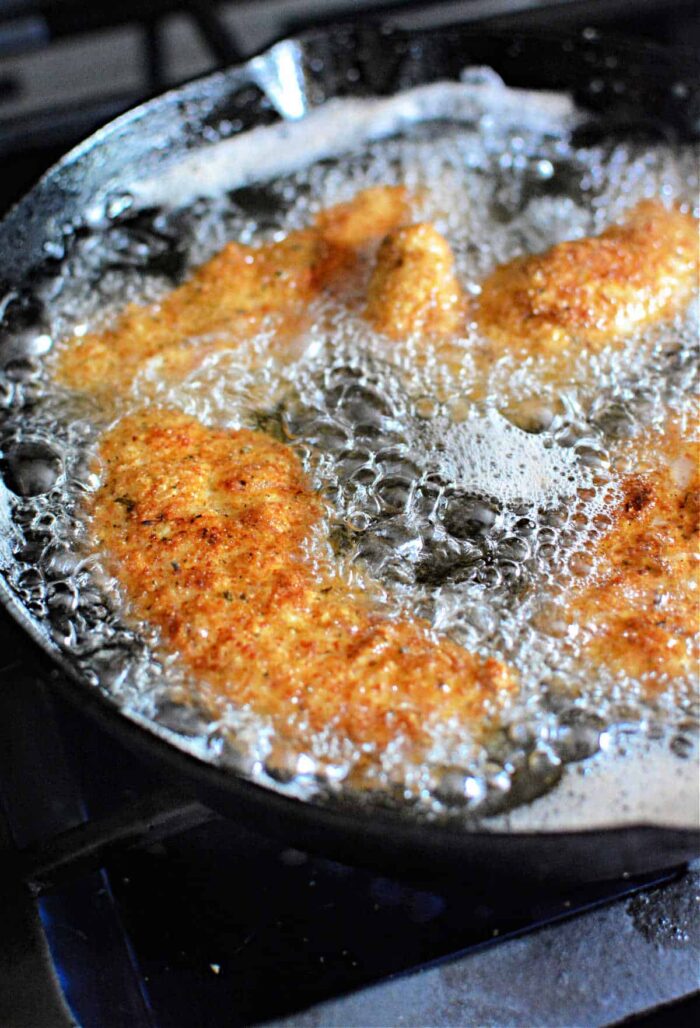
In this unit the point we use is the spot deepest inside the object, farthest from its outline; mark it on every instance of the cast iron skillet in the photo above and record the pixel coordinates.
(638, 89)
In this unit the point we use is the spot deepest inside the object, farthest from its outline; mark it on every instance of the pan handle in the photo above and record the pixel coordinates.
(88, 846)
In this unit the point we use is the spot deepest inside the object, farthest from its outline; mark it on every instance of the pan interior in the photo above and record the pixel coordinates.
(499, 173)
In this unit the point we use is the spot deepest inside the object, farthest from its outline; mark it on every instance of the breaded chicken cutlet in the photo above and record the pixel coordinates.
(591, 291)
(585, 293)
(231, 296)
(640, 614)
(209, 533)
(413, 286)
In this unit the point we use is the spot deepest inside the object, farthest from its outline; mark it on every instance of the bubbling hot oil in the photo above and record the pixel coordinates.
(470, 494)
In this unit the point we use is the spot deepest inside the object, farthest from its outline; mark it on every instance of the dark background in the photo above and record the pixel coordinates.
(68, 66)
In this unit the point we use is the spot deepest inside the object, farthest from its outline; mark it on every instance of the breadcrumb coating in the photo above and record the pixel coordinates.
(210, 534)
(231, 295)
(369, 216)
(413, 287)
(641, 613)
(590, 291)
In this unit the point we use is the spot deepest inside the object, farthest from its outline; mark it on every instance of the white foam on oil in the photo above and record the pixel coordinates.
(486, 454)
(340, 126)
(631, 782)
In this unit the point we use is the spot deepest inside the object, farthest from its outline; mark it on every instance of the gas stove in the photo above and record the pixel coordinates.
(125, 903)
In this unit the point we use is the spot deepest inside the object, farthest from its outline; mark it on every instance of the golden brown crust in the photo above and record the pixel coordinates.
(365, 219)
(413, 287)
(591, 291)
(230, 295)
(641, 614)
(207, 530)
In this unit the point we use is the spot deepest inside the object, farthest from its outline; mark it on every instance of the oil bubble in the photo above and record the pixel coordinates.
(32, 468)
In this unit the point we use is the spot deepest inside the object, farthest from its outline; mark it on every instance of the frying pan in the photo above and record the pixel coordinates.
(638, 89)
